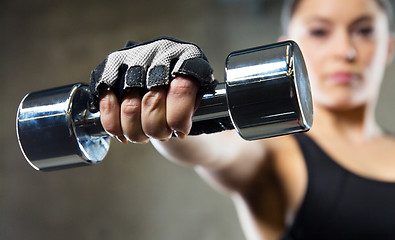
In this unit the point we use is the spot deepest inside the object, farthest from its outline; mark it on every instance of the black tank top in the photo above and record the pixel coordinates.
(339, 204)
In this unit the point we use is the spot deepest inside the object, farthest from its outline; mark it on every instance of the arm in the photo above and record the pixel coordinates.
(224, 160)
(167, 108)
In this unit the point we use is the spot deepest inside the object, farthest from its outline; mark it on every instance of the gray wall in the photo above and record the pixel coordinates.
(134, 193)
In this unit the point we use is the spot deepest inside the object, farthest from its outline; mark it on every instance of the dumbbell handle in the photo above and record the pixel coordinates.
(212, 106)
(266, 94)
(56, 130)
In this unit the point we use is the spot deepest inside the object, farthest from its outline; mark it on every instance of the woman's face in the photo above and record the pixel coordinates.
(346, 46)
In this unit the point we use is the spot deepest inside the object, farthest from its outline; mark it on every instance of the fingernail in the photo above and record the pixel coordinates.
(166, 139)
(121, 139)
(179, 134)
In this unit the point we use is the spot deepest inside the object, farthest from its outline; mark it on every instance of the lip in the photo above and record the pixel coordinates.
(343, 77)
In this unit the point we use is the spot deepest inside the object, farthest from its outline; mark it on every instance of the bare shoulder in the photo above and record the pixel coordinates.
(268, 178)
(290, 169)
(286, 153)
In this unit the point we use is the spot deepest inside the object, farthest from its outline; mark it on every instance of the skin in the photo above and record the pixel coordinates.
(346, 45)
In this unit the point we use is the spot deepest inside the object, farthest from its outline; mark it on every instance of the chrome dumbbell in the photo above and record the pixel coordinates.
(266, 93)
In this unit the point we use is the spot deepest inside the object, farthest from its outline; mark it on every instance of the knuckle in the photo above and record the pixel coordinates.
(183, 87)
(107, 104)
(153, 117)
(131, 107)
(153, 98)
(109, 115)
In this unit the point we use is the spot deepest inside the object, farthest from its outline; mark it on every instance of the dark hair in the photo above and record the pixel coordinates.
(289, 7)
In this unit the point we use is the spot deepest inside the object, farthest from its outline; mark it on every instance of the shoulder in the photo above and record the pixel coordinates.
(283, 161)
(280, 181)
(290, 169)
(256, 164)
(286, 154)
(267, 176)
(276, 188)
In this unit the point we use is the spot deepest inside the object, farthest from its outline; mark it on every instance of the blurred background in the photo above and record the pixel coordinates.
(134, 193)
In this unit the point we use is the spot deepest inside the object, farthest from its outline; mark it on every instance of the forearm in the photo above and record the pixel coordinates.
(206, 150)
(224, 160)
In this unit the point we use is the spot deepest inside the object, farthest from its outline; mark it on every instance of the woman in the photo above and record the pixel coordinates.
(335, 182)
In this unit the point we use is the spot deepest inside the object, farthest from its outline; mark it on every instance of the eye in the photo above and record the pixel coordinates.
(364, 31)
(318, 32)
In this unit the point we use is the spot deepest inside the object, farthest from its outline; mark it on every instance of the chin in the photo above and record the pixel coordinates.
(341, 100)
(344, 108)
(341, 105)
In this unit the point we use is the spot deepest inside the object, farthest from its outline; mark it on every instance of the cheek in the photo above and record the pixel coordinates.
(373, 61)
(315, 59)
(368, 54)
(315, 62)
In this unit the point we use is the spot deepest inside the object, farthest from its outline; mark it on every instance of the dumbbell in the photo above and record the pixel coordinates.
(266, 93)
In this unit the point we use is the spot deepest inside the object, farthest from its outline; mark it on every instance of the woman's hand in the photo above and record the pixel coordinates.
(150, 90)
(156, 114)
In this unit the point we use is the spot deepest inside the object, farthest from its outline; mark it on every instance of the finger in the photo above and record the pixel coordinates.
(180, 104)
(153, 114)
(131, 117)
(110, 115)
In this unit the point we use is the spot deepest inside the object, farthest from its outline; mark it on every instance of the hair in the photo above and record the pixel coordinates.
(289, 7)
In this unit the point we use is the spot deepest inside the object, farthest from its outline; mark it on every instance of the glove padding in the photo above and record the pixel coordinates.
(155, 63)
(149, 64)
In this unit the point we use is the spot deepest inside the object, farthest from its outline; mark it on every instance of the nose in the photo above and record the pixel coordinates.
(344, 47)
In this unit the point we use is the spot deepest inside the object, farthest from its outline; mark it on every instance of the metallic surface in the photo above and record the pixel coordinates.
(55, 131)
(213, 105)
(268, 91)
(266, 94)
